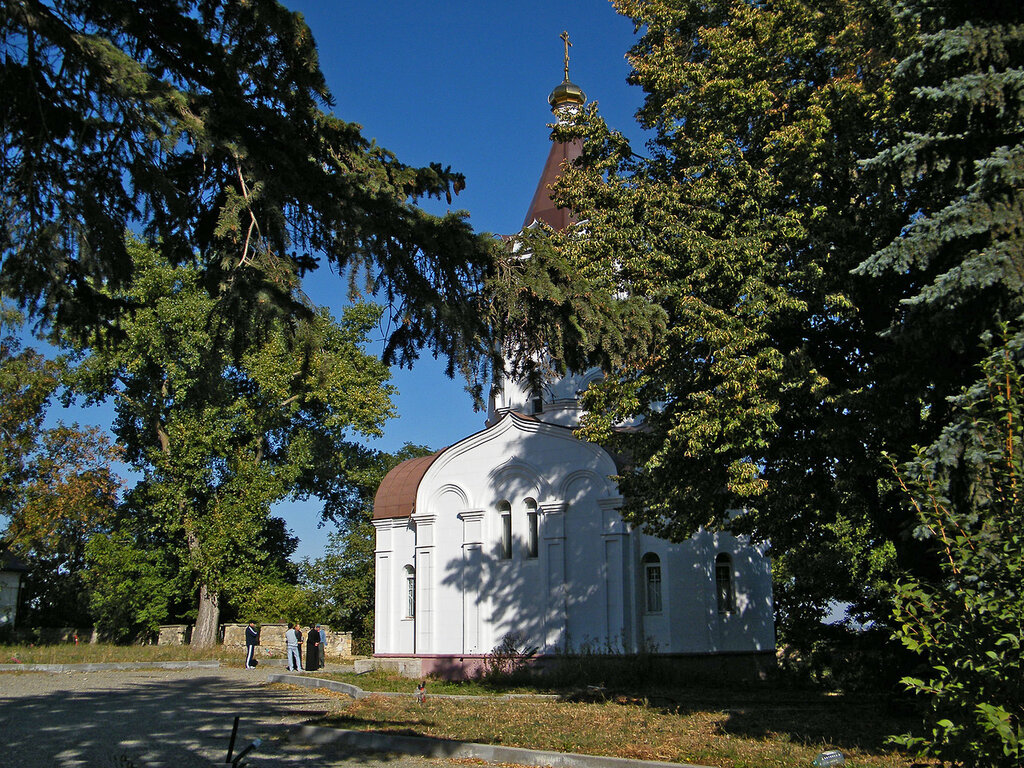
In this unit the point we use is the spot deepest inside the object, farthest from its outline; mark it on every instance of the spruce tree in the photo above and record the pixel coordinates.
(956, 167)
(966, 623)
(206, 125)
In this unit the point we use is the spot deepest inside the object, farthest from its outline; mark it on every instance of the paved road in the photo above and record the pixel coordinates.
(165, 718)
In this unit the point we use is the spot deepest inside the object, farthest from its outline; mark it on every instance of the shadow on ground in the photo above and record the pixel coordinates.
(148, 718)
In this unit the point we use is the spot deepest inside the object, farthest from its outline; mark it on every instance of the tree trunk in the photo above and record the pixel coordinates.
(208, 619)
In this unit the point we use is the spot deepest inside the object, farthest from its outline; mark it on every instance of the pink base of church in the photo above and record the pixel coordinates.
(726, 666)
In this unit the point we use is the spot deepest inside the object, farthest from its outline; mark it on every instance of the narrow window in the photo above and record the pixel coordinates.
(723, 583)
(652, 581)
(506, 530)
(537, 401)
(532, 543)
(410, 592)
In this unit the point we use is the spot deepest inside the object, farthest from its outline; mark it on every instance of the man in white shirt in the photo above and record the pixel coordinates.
(291, 638)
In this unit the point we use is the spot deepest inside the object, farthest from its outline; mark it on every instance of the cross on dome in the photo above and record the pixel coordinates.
(566, 95)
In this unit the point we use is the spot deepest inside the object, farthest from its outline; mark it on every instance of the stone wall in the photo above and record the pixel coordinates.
(272, 642)
(175, 634)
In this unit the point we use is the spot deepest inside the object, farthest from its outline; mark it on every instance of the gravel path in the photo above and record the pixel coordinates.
(166, 718)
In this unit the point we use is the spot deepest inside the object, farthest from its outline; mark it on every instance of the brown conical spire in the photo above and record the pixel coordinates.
(567, 97)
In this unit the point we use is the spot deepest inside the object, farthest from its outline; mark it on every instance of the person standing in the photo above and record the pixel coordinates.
(323, 644)
(252, 639)
(292, 638)
(312, 649)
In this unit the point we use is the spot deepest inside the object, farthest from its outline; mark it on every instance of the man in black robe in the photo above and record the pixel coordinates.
(312, 650)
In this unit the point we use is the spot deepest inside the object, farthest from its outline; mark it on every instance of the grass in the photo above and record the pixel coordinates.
(743, 727)
(85, 653)
(382, 680)
(715, 728)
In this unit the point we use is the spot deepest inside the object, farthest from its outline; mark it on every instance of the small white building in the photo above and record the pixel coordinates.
(11, 570)
(516, 529)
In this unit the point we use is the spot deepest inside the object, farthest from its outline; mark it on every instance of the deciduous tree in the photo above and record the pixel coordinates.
(710, 278)
(795, 277)
(27, 382)
(58, 486)
(224, 421)
(340, 583)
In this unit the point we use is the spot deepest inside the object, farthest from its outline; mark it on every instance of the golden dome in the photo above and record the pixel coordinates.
(566, 93)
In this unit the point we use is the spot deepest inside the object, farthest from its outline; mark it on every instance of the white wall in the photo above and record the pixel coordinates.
(9, 582)
(584, 588)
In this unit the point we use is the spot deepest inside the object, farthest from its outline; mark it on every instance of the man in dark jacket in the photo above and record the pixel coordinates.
(252, 639)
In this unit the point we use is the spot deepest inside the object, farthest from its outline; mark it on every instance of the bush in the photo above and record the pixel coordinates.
(509, 661)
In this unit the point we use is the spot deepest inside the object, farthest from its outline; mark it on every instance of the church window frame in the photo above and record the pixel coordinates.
(532, 530)
(537, 401)
(725, 588)
(652, 574)
(410, 592)
(505, 544)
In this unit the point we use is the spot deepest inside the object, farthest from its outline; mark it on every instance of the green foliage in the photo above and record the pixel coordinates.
(277, 602)
(967, 623)
(508, 661)
(207, 124)
(793, 277)
(27, 381)
(340, 584)
(955, 165)
(130, 587)
(711, 282)
(224, 420)
(57, 485)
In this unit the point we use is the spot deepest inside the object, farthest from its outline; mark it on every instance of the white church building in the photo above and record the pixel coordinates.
(516, 529)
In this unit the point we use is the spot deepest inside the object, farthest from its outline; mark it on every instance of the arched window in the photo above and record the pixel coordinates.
(410, 592)
(505, 510)
(651, 566)
(723, 583)
(532, 529)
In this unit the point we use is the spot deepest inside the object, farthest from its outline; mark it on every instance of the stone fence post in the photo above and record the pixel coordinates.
(338, 644)
(175, 634)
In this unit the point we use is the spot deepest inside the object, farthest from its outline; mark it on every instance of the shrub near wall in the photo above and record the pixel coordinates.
(67, 635)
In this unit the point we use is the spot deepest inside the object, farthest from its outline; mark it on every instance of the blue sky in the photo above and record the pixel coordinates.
(464, 84)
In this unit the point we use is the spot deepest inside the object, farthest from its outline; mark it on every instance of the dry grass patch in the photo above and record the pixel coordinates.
(384, 680)
(759, 735)
(86, 653)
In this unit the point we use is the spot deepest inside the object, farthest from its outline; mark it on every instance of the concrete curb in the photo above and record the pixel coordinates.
(111, 665)
(358, 693)
(425, 746)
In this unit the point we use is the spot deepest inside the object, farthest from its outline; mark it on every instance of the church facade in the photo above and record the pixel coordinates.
(515, 532)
